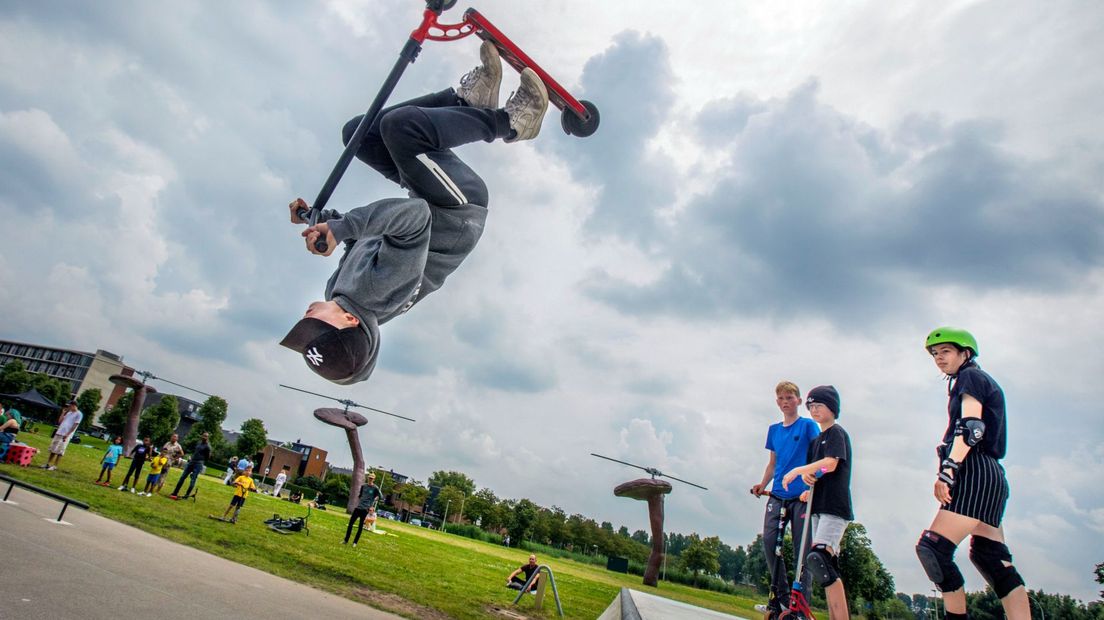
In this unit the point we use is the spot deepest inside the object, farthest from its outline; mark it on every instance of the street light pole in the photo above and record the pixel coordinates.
(445, 519)
(462, 500)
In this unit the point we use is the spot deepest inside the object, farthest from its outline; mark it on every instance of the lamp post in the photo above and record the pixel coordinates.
(460, 519)
(445, 518)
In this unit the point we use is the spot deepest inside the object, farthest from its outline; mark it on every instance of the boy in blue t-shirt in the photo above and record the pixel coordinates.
(110, 458)
(788, 442)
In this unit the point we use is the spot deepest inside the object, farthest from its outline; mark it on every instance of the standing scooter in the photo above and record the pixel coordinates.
(580, 118)
(799, 605)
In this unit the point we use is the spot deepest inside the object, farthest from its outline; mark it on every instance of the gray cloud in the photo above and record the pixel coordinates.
(634, 88)
(820, 215)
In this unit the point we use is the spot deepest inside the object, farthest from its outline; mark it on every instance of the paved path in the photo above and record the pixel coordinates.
(98, 568)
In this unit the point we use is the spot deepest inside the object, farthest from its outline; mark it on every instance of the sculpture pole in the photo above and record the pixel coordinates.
(651, 491)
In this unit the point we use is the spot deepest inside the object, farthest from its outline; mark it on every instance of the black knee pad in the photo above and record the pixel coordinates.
(989, 557)
(937, 557)
(823, 566)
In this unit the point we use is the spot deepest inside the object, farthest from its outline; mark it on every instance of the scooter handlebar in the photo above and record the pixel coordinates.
(305, 215)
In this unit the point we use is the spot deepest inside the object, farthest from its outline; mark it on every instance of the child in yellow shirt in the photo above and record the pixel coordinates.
(243, 484)
(157, 464)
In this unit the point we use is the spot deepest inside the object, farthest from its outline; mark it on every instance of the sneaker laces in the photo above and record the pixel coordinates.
(521, 98)
(471, 77)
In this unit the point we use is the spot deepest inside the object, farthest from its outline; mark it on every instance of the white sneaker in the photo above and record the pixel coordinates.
(480, 86)
(131, 489)
(122, 488)
(51, 468)
(526, 106)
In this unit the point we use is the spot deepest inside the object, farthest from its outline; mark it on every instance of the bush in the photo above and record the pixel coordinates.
(473, 531)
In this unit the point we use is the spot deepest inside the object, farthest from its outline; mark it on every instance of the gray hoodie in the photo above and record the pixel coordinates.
(397, 251)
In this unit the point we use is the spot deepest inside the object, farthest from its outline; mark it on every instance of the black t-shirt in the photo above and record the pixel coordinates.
(833, 490)
(201, 453)
(529, 569)
(140, 452)
(977, 383)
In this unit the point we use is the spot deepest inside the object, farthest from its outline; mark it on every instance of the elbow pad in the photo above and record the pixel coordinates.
(971, 429)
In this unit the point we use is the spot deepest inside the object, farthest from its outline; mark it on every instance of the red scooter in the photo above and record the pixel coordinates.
(579, 118)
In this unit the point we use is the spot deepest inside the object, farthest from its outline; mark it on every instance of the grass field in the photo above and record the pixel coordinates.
(412, 571)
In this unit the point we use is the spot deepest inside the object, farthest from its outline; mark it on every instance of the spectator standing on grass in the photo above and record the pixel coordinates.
(281, 479)
(110, 459)
(195, 466)
(370, 495)
(70, 419)
(157, 464)
(174, 452)
(138, 457)
(243, 484)
(515, 581)
(230, 470)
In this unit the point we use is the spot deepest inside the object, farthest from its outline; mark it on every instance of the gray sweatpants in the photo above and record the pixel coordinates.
(779, 513)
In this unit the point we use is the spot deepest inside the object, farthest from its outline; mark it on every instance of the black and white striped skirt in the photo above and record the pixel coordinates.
(981, 490)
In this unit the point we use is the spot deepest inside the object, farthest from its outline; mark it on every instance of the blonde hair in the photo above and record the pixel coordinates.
(787, 386)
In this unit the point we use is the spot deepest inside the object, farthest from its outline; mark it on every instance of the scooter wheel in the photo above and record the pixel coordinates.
(575, 126)
(440, 6)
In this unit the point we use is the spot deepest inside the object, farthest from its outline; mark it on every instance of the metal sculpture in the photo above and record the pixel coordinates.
(141, 390)
(350, 422)
(651, 491)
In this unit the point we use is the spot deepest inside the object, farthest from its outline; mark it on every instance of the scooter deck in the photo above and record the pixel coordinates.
(519, 60)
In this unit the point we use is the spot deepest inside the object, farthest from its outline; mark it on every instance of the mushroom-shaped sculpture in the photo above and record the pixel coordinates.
(350, 421)
(652, 491)
(130, 433)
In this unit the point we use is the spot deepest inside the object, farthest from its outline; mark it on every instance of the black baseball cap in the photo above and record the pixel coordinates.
(333, 353)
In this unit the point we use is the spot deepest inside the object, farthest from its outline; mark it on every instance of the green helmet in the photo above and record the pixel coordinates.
(952, 335)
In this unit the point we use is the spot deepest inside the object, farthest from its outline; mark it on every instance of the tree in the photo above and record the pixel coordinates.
(413, 493)
(449, 498)
(211, 415)
(755, 567)
(452, 479)
(701, 555)
(1099, 571)
(732, 562)
(311, 482)
(14, 378)
(623, 532)
(114, 420)
(159, 421)
(253, 439)
(480, 509)
(89, 402)
(861, 570)
(522, 519)
(55, 389)
(336, 488)
(642, 537)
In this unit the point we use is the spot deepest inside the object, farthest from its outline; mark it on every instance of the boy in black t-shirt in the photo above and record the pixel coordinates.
(830, 469)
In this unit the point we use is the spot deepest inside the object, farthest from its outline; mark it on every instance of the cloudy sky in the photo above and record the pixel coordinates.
(778, 191)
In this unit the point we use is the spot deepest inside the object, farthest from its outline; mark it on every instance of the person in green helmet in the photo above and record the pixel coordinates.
(970, 485)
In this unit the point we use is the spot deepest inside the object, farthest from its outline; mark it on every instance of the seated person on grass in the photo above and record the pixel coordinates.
(515, 581)
(295, 497)
(10, 421)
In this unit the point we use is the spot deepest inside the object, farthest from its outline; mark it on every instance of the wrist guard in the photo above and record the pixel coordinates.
(946, 466)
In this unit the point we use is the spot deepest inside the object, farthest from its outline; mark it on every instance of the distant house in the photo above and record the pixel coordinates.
(301, 459)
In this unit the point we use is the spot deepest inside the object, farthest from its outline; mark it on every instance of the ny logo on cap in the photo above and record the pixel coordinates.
(314, 357)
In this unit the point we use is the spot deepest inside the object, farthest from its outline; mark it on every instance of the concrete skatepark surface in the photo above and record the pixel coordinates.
(637, 605)
(97, 568)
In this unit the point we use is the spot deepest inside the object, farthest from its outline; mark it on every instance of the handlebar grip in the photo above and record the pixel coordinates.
(304, 214)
